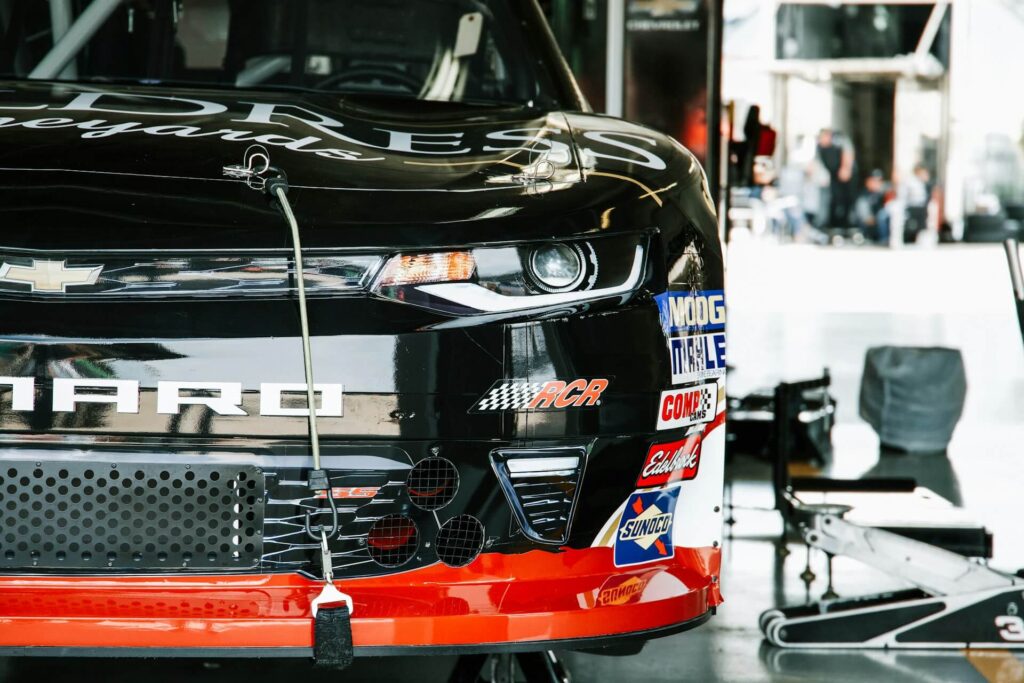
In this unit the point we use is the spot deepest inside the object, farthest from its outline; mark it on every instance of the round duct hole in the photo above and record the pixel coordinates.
(392, 540)
(460, 540)
(432, 483)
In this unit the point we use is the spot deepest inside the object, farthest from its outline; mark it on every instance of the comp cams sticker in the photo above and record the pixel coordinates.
(687, 407)
(671, 462)
(697, 357)
(692, 311)
(645, 531)
(551, 395)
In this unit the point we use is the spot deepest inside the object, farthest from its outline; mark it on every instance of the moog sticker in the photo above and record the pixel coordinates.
(692, 311)
(687, 407)
(550, 395)
(645, 531)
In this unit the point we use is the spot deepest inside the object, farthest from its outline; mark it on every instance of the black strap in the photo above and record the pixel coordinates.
(332, 638)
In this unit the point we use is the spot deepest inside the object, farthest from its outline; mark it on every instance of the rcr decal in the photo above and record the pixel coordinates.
(692, 311)
(222, 398)
(550, 395)
(317, 133)
(686, 407)
(697, 357)
(671, 462)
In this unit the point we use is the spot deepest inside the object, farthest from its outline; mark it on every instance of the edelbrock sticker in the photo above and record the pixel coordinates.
(697, 357)
(667, 463)
(692, 311)
(645, 531)
(554, 394)
(688, 407)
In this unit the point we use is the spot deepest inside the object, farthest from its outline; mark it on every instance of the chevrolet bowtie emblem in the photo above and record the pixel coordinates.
(49, 276)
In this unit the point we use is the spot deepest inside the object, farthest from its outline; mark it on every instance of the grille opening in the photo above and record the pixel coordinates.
(460, 540)
(432, 484)
(393, 540)
(541, 487)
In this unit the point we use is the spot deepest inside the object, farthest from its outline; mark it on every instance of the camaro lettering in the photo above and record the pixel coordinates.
(221, 398)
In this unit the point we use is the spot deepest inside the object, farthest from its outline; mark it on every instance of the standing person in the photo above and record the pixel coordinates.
(915, 193)
(838, 158)
(869, 209)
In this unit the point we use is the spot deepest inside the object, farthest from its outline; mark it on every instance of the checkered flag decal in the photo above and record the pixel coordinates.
(508, 395)
(709, 398)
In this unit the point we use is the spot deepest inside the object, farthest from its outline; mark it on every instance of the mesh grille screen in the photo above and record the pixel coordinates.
(393, 540)
(460, 540)
(432, 483)
(70, 515)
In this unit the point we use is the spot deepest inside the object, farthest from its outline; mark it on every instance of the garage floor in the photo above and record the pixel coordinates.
(793, 311)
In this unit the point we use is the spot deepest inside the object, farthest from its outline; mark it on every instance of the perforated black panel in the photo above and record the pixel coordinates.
(130, 516)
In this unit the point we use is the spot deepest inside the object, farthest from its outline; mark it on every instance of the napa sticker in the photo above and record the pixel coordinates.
(697, 357)
(692, 311)
(645, 530)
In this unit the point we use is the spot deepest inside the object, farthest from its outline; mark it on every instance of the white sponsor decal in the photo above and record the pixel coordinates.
(697, 357)
(222, 398)
(330, 138)
(687, 407)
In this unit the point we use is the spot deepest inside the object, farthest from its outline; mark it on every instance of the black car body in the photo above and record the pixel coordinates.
(517, 330)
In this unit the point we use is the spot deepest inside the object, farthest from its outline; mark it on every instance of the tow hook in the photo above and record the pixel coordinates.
(332, 618)
(332, 609)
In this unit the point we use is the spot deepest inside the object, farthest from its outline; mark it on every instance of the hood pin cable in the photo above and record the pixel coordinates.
(260, 175)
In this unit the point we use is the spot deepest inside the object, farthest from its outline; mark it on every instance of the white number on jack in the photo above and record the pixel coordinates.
(1011, 629)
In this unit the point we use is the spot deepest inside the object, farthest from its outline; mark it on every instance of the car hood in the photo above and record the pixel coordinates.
(147, 164)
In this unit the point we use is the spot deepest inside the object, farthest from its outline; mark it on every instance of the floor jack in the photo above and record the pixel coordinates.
(957, 602)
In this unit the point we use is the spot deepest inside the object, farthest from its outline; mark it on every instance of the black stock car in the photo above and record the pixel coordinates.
(515, 325)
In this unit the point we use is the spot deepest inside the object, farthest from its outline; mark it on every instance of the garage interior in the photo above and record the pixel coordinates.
(832, 282)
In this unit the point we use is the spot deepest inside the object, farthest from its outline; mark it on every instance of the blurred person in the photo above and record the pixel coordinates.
(837, 156)
(914, 193)
(870, 210)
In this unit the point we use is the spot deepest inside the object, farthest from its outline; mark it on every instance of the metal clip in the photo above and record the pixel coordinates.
(329, 594)
(253, 169)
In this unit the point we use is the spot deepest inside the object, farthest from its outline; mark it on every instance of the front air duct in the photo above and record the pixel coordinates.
(460, 540)
(541, 486)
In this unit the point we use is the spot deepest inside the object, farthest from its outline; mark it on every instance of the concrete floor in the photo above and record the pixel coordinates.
(793, 311)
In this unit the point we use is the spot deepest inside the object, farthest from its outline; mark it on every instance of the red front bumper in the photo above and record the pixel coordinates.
(499, 601)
